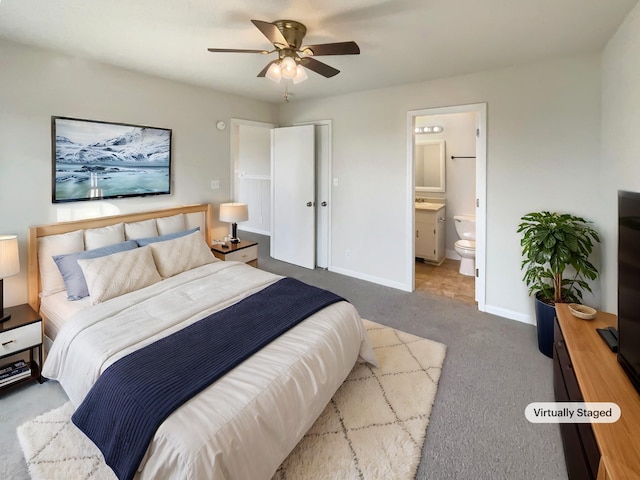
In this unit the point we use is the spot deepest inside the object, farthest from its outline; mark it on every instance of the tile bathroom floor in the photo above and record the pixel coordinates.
(445, 280)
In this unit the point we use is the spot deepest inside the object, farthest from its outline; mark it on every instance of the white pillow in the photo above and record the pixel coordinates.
(114, 275)
(171, 224)
(144, 229)
(101, 237)
(50, 277)
(181, 254)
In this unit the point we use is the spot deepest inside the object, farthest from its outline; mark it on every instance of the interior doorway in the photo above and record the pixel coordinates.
(424, 124)
(251, 180)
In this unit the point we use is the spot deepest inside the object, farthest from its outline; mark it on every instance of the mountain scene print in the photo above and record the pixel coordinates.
(99, 160)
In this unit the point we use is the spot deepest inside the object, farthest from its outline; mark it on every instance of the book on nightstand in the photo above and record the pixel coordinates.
(14, 371)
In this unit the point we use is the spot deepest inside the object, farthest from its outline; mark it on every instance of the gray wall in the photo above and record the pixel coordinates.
(543, 153)
(620, 160)
(36, 84)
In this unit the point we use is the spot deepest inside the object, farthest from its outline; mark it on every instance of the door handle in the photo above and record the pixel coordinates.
(324, 204)
(309, 204)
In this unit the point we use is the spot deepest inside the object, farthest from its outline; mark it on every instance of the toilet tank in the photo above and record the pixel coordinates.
(465, 226)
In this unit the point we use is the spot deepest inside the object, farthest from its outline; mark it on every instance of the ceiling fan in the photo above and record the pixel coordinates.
(286, 36)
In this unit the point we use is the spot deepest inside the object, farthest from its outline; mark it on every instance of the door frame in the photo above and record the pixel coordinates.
(481, 192)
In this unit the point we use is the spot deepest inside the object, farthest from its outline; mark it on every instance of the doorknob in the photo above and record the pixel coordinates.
(309, 204)
(324, 204)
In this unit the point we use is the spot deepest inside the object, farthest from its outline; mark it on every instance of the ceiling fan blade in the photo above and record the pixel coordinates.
(263, 72)
(270, 31)
(235, 50)
(339, 48)
(319, 67)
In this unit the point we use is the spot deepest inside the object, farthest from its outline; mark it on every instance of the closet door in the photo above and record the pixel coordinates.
(293, 217)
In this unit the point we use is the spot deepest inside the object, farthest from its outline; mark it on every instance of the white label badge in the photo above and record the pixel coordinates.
(572, 412)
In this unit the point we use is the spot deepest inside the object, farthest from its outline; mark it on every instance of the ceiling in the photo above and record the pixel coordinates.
(401, 41)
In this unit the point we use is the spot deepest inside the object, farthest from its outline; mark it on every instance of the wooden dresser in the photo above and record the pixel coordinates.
(585, 369)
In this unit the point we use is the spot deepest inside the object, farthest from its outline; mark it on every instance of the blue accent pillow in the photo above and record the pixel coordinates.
(72, 273)
(163, 238)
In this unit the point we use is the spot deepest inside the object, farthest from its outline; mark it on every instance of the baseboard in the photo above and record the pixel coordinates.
(452, 254)
(370, 278)
(510, 314)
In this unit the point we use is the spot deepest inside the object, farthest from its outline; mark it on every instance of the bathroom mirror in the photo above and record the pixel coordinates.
(429, 160)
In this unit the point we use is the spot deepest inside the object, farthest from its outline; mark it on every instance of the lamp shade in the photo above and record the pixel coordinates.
(288, 68)
(274, 73)
(301, 75)
(234, 212)
(9, 259)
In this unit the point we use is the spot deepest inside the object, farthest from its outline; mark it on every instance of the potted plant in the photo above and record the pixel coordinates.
(556, 249)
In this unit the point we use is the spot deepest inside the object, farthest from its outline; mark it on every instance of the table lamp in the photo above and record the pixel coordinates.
(9, 265)
(234, 213)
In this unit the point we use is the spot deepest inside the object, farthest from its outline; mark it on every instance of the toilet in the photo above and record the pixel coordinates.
(466, 246)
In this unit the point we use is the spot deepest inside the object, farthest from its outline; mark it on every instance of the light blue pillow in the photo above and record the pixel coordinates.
(72, 273)
(163, 238)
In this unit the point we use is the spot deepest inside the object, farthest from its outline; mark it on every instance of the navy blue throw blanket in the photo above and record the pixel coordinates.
(130, 400)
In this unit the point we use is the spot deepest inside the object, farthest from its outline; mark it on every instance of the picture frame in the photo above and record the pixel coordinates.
(97, 160)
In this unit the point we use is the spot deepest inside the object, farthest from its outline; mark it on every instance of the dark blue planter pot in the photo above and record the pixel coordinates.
(545, 316)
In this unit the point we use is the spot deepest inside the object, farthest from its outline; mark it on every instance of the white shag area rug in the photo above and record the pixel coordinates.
(373, 427)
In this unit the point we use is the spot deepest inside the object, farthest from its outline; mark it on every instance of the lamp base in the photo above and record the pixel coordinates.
(4, 319)
(234, 233)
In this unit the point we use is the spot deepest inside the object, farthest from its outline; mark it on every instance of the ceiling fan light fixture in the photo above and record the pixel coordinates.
(288, 68)
(274, 72)
(301, 74)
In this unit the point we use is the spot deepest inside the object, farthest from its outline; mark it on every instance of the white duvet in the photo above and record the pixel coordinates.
(245, 424)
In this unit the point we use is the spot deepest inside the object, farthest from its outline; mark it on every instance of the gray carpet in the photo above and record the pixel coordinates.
(477, 430)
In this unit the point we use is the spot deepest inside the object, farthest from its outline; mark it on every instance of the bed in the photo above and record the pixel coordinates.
(247, 422)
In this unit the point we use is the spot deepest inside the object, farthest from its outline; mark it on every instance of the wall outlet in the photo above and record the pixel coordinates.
(215, 184)
(347, 253)
(335, 181)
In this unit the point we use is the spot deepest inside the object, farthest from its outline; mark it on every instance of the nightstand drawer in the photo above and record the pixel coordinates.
(245, 255)
(20, 338)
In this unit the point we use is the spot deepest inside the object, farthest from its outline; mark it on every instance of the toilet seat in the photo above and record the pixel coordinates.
(468, 245)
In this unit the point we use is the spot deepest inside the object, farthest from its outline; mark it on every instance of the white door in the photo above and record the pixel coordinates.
(293, 216)
(323, 191)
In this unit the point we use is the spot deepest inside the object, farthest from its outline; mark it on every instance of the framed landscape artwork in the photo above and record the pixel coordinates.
(94, 160)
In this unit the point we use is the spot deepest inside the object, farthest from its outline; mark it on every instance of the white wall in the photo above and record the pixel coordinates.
(36, 84)
(543, 153)
(620, 162)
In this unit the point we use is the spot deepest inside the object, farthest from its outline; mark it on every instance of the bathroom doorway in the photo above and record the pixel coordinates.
(460, 191)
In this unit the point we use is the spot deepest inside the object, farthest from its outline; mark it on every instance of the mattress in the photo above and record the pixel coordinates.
(264, 406)
(57, 310)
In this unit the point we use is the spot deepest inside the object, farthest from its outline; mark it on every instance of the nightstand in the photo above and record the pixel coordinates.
(22, 332)
(246, 252)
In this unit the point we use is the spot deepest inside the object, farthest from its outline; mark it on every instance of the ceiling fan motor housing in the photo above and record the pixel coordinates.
(292, 31)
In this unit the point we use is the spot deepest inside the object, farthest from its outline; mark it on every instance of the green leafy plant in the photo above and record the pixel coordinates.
(552, 242)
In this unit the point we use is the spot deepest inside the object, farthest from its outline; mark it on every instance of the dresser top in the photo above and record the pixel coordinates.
(602, 379)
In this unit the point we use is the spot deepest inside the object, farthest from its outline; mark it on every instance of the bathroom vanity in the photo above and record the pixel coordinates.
(430, 231)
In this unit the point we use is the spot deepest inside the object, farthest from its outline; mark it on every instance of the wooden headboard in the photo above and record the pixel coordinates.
(33, 269)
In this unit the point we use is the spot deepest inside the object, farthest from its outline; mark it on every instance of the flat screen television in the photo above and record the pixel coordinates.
(629, 285)
(94, 160)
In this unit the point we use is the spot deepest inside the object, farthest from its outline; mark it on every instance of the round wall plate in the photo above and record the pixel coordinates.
(221, 125)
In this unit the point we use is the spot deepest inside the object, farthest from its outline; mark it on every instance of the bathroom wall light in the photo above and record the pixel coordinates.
(429, 129)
